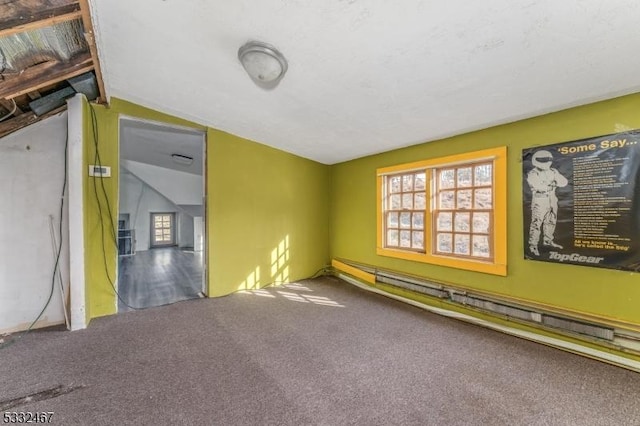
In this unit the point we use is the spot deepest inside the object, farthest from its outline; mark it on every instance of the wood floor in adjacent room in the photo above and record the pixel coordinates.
(157, 277)
(316, 352)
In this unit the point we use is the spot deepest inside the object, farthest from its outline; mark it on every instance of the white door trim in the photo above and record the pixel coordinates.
(76, 172)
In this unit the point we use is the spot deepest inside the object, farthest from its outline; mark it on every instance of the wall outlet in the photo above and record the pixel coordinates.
(99, 171)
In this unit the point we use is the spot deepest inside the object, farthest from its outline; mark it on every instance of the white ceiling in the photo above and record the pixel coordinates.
(154, 144)
(367, 76)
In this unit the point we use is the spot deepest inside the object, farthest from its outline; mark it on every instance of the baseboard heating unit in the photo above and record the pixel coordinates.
(574, 334)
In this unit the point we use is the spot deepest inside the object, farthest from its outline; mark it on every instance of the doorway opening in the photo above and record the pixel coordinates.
(161, 206)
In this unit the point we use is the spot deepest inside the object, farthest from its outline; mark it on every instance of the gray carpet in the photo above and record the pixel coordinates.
(317, 352)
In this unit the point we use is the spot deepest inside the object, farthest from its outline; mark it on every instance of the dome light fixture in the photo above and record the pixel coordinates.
(263, 62)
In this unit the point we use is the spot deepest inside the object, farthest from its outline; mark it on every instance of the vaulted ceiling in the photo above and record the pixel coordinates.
(367, 76)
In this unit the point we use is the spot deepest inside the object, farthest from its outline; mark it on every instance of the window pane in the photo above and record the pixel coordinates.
(463, 244)
(157, 219)
(481, 246)
(447, 200)
(462, 222)
(418, 221)
(464, 199)
(394, 184)
(167, 233)
(483, 198)
(392, 238)
(420, 182)
(407, 201)
(407, 183)
(481, 222)
(166, 217)
(405, 238)
(444, 221)
(405, 220)
(394, 202)
(392, 219)
(444, 243)
(166, 224)
(483, 175)
(158, 233)
(464, 177)
(420, 202)
(417, 239)
(447, 179)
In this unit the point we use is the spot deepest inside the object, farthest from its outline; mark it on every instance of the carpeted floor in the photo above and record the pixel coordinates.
(319, 352)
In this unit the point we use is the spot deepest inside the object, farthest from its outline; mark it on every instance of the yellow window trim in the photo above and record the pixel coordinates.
(499, 264)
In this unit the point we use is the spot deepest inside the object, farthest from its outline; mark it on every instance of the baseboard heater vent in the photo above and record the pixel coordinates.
(579, 327)
(407, 284)
(499, 308)
(440, 291)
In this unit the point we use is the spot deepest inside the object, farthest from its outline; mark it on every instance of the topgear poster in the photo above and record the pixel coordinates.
(582, 202)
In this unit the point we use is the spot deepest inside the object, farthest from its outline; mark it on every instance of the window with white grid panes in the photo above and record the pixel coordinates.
(162, 229)
(463, 211)
(405, 206)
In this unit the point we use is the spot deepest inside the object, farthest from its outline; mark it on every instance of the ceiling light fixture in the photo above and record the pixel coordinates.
(263, 62)
(182, 159)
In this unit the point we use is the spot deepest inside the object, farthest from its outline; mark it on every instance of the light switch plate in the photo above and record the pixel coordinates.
(99, 171)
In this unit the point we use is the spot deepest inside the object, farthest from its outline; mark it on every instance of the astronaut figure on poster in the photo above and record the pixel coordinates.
(543, 181)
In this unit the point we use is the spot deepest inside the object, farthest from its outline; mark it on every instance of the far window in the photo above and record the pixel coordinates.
(162, 229)
(449, 211)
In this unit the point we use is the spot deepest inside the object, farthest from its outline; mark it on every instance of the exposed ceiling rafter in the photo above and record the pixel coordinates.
(53, 20)
(46, 69)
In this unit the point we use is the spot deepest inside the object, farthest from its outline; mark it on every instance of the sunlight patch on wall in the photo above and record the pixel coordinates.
(252, 281)
(280, 262)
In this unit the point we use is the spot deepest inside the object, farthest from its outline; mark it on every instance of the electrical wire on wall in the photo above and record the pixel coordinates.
(56, 265)
(107, 204)
(9, 114)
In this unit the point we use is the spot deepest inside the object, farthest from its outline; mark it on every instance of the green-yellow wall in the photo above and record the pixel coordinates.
(262, 203)
(605, 293)
(269, 217)
(274, 216)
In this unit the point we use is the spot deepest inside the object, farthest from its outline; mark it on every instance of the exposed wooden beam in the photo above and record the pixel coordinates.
(91, 40)
(44, 74)
(15, 13)
(42, 23)
(23, 120)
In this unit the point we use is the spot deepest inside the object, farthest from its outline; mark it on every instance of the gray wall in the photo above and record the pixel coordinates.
(139, 200)
(185, 226)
